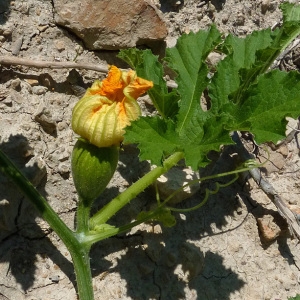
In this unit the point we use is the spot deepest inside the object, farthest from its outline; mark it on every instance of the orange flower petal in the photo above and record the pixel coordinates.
(108, 107)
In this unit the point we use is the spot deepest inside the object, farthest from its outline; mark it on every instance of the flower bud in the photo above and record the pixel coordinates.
(108, 107)
(92, 169)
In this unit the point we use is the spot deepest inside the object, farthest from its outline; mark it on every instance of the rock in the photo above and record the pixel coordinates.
(111, 24)
(173, 181)
(44, 117)
(60, 45)
(39, 90)
(268, 228)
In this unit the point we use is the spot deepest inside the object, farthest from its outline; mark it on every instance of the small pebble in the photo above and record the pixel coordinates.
(42, 28)
(55, 278)
(16, 46)
(7, 32)
(60, 45)
(62, 125)
(39, 90)
(32, 82)
(63, 169)
(15, 83)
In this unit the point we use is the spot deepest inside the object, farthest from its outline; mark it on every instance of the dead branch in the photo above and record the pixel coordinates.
(15, 61)
(269, 190)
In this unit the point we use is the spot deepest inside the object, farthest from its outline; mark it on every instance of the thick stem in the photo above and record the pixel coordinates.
(122, 199)
(81, 262)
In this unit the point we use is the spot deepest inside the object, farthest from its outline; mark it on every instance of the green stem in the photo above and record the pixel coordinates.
(82, 217)
(81, 261)
(122, 199)
(79, 253)
(90, 239)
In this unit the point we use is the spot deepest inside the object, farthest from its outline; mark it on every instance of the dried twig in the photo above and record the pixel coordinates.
(15, 61)
(270, 191)
(10, 60)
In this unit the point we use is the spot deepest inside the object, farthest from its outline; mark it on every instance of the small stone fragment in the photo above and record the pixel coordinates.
(283, 149)
(268, 228)
(7, 32)
(111, 24)
(60, 45)
(44, 117)
(16, 46)
(39, 90)
(55, 278)
(62, 125)
(42, 28)
(275, 163)
(15, 84)
(32, 82)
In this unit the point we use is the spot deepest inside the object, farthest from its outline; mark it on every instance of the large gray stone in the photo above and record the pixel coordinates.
(111, 24)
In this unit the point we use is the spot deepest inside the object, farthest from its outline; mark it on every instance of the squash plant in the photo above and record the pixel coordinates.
(244, 95)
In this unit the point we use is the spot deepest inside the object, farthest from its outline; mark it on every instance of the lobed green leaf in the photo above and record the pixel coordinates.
(275, 96)
(147, 66)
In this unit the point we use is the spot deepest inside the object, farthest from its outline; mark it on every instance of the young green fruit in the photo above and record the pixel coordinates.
(92, 169)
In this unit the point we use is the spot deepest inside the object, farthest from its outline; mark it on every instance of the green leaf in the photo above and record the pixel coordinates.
(249, 57)
(241, 98)
(147, 66)
(155, 137)
(215, 135)
(275, 96)
(240, 55)
(187, 59)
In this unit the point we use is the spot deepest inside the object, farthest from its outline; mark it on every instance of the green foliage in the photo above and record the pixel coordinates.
(295, 298)
(243, 93)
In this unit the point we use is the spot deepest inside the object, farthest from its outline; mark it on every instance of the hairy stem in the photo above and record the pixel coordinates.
(122, 199)
(82, 217)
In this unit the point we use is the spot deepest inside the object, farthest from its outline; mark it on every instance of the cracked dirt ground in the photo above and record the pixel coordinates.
(216, 252)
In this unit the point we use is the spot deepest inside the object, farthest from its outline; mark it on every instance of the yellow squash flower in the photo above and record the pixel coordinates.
(108, 107)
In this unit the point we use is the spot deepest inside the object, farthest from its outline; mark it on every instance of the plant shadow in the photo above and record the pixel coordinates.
(4, 10)
(162, 263)
(22, 239)
(155, 262)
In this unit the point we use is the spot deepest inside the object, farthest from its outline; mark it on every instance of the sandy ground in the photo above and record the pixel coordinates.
(216, 252)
